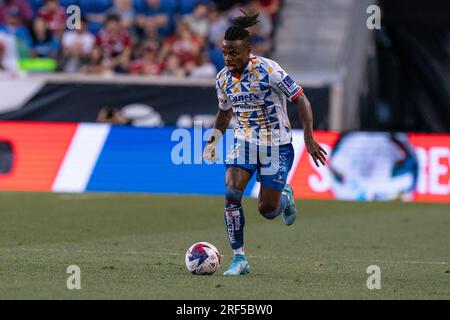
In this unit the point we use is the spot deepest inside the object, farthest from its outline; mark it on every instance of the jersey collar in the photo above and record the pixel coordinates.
(247, 68)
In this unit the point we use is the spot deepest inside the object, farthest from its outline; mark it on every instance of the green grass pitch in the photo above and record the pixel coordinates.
(133, 247)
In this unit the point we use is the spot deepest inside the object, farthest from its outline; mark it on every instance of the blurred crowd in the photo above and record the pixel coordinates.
(147, 37)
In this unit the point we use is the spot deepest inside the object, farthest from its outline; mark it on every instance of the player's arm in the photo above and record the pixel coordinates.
(281, 81)
(306, 118)
(221, 124)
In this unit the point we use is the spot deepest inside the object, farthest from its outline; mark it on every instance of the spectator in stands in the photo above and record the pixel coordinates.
(77, 46)
(270, 8)
(24, 8)
(148, 64)
(10, 57)
(44, 44)
(198, 19)
(15, 28)
(55, 15)
(217, 23)
(157, 18)
(95, 63)
(184, 44)
(115, 44)
(261, 34)
(124, 9)
(173, 67)
(202, 68)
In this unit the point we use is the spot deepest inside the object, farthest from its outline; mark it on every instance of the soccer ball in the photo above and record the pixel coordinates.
(202, 258)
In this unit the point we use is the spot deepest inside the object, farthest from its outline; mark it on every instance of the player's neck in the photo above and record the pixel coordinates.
(239, 72)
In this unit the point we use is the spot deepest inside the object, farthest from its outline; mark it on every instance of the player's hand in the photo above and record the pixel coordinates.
(316, 151)
(210, 152)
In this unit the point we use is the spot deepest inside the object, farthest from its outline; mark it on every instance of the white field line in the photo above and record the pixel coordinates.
(175, 254)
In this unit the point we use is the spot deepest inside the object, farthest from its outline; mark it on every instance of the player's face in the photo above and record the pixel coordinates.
(236, 55)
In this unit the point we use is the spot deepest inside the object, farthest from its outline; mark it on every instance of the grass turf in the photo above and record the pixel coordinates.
(133, 246)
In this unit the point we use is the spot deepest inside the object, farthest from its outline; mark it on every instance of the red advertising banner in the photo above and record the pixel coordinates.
(433, 153)
(309, 181)
(31, 153)
(377, 166)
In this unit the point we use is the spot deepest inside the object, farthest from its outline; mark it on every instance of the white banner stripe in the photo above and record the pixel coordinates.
(80, 160)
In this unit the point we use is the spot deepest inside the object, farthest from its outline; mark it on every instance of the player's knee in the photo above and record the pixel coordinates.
(232, 194)
(267, 210)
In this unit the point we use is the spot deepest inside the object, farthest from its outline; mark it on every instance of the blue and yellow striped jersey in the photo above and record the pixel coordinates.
(258, 98)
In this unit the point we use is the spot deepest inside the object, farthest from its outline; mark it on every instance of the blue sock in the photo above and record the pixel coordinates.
(234, 218)
(284, 200)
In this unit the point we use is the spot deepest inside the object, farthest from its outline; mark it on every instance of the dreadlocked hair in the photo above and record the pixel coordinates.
(238, 31)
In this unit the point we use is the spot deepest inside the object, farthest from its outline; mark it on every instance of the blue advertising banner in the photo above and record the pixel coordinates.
(158, 160)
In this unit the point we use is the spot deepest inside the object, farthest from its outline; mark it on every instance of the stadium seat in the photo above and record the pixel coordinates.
(186, 6)
(36, 4)
(170, 4)
(140, 6)
(95, 27)
(67, 3)
(95, 6)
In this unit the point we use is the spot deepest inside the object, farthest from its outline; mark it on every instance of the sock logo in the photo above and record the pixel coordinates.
(230, 229)
(232, 213)
(234, 221)
(237, 223)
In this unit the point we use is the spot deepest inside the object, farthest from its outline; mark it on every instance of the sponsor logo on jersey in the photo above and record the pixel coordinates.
(244, 98)
(288, 81)
(283, 89)
(248, 107)
(288, 86)
(252, 76)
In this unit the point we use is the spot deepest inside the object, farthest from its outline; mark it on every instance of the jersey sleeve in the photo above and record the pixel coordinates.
(224, 103)
(282, 81)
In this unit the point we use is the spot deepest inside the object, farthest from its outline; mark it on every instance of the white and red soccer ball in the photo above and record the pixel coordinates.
(202, 258)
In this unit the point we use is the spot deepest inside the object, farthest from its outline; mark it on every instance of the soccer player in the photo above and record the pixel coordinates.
(255, 89)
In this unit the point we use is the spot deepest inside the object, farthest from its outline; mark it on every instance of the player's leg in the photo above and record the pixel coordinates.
(276, 196)
(236, 182)
(270, 202)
